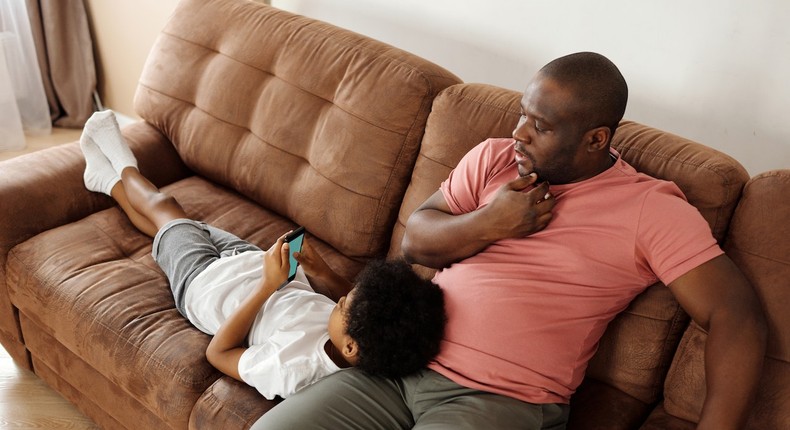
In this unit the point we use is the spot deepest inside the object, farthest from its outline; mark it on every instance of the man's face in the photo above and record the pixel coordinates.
(547, 138)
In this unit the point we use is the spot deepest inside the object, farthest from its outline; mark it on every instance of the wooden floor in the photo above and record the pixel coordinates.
(26, 402)
(35, 143)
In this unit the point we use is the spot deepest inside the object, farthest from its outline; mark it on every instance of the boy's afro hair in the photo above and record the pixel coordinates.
(396, 318)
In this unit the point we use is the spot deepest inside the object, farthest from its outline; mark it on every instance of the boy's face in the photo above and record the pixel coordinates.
(337, 322)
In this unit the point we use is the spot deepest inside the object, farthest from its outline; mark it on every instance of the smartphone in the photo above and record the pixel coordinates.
(294, 239)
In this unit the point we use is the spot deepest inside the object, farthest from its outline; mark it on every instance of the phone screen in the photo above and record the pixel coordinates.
(295, 240)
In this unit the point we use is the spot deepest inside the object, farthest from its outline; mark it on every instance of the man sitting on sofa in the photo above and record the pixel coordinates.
(277, 336)
(541, 240)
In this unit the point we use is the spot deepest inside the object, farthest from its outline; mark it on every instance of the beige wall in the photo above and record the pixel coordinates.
(123, 33)
(710, 70)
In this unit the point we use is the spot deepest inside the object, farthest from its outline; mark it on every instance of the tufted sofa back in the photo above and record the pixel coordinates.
(295, 114)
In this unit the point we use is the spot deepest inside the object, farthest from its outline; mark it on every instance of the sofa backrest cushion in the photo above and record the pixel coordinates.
(759, 243)
(319, 124)
(636, 349)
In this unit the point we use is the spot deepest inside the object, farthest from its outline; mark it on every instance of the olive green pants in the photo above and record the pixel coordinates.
(352, 399)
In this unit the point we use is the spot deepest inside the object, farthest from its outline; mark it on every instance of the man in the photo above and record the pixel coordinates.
(542, 239)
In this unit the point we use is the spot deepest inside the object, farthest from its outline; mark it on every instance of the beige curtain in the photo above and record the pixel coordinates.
(65, 56)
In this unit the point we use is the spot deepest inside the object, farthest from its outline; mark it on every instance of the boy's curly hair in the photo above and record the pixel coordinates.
(396, 318)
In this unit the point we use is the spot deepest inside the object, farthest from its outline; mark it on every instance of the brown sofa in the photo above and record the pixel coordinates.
(258, 120)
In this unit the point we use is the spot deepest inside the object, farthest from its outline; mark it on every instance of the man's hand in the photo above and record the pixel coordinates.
(436, 238)
(514, 214)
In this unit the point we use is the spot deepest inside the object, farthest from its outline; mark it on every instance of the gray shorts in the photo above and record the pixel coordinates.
(183, 248)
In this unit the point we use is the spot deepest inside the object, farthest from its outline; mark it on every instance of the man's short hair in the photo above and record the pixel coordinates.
(598, 84)
(396, 318)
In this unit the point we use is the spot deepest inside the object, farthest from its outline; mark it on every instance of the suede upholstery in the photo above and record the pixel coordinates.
(258, 120)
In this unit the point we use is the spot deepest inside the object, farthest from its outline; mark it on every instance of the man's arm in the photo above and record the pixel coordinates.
(225, 349)
(436, 238)
(719, 298)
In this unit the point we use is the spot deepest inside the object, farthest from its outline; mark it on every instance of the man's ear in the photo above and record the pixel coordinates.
(597, 138)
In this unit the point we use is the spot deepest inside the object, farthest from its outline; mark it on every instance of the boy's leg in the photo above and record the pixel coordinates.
(349, 399)
(146, 199)
(183, 249)
(111, 168)
(229, 244)
(141, 222)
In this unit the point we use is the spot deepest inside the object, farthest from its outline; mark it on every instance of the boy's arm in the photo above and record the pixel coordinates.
(225, 349)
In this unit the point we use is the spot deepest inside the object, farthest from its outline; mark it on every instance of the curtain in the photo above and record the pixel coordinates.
(65, 56)
(23, 104)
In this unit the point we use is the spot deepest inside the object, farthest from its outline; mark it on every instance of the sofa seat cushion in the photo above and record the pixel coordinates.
(95, 286)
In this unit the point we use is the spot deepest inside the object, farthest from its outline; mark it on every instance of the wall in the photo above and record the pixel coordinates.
(123, 33)
(710, 70)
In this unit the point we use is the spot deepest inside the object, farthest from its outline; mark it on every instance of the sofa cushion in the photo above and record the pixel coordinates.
(759, 243)
(711, 180)
(317, 123)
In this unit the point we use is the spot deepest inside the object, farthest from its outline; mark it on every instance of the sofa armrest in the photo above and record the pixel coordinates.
(44, 190)
(234, 404)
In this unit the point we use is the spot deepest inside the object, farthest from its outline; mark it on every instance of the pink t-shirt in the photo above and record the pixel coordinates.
(525, 315)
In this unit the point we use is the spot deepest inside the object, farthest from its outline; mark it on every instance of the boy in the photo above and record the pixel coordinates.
(277, 341)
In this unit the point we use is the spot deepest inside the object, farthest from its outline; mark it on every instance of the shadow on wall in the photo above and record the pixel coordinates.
(739, 134)
(470, 61)
(740, 140)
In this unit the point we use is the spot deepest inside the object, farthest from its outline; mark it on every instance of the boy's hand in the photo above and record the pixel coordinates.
(311, 262)
(321, 276)
(275, 265)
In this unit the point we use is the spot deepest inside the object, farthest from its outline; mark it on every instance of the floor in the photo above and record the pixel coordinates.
(26, 402)
(35, 143)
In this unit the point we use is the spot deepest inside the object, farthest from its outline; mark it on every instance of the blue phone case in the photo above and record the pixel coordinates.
(294, 240)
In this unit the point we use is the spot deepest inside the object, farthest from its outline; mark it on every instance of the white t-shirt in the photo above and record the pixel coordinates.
(286, 341)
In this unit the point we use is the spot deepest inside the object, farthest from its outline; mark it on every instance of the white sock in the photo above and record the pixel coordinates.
(99, 175)
(102, 128)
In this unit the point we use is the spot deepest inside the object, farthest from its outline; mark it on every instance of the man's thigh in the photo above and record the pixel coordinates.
(350, 399)
(439, 403)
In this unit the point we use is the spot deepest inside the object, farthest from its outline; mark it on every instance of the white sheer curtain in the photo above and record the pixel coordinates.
(22, 74)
